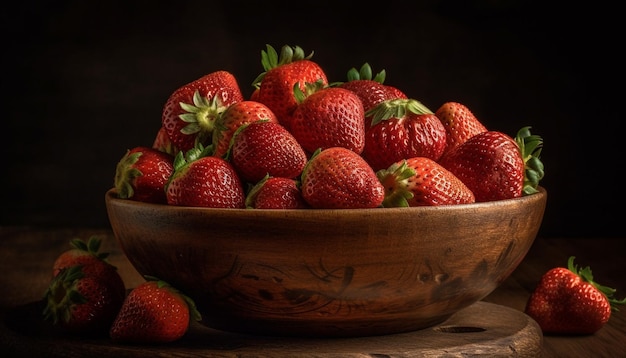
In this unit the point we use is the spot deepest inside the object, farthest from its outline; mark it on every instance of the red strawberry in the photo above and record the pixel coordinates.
(203, 180)
(329, 117)
(401, 129)
(163, 143)
(153, 312)
(339, 178)
(190, 111)
(266, 148)
(282, 73)
(80, 253)
(568, 301)
(371, 91)
(85, 292)
(493, 165)
(421, 181)
(460, 123)
(142, 173)
(235, 116)
(276, 193)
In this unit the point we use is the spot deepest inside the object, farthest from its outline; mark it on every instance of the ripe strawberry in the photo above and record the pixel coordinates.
(142, 173)
(460, 123)
(163, 143)
(420, 181)
(235, 116)
(339, 178)
(266, 148)
(494, 166)
(329, 117)
(190, 111)
(85, 292)
(153, 312)
(371, 91)
(80, 253)
(202, 180)
(401, 129)
(281, 74)
(568, 301)
(276, 193)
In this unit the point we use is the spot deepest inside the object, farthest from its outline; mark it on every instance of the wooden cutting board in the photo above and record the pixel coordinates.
(482, 329)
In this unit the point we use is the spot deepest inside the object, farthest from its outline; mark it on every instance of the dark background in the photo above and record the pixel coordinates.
(83, 81)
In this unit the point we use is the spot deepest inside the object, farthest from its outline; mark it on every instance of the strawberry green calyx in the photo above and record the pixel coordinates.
(92, 246)
(586, 275)
(270, 59)
(530, 147)
(309, 89)
(200, 116)
(125, 174)
(395, 180)
(254, 191)
(193, 310)
(365, 73)
(396, 108)
(62, 294)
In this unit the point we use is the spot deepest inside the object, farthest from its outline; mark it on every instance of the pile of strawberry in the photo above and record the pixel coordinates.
(302, 141)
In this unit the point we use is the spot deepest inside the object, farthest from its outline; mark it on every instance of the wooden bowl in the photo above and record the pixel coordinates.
(328, 273)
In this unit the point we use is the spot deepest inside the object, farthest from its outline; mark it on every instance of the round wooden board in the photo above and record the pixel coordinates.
(482, 329)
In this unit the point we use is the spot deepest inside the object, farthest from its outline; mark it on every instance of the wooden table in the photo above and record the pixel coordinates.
(27, 254)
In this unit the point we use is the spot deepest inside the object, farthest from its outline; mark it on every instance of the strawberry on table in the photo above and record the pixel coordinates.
(235, 116)
(420, 181)
(142, 173)
(568, 301)
(190, 111)
(338, 178)
(292, 68)
(200, 179)
(85, 292)
(460, 123)
(276, 193)
(266, 148)
(328, 117)
(153, 312)
(401, 129)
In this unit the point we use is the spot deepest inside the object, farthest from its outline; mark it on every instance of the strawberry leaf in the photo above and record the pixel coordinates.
(530, 148)
(586, 275)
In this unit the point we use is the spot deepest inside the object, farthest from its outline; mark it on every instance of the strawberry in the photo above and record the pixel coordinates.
(371, 91)
(80, 253)
(401, 129)
(85, 292)
(495, 166)
(275, 193)
(460, 123)
(328, 117)
(142, 173)
(569, 301)
(236, 115)
(190, 111)
(154, 312)
(281, 74)
(266, 148)
(203, 180)
(420, 181)
(163, 143)
(339, 178)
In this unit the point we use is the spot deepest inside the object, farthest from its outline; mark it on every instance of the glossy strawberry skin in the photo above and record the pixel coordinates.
(460, 123)
(266, 148)
(276, 193)
(221, 86)
(276, 89)
(151, 314)
(80, 253)
(206, 182)
(141, 174)
(490, 164)
(425, 181)
(338, 178)
(330, 117)
(84, 299)
(394, 139)
(235, 116)
(568, 301)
